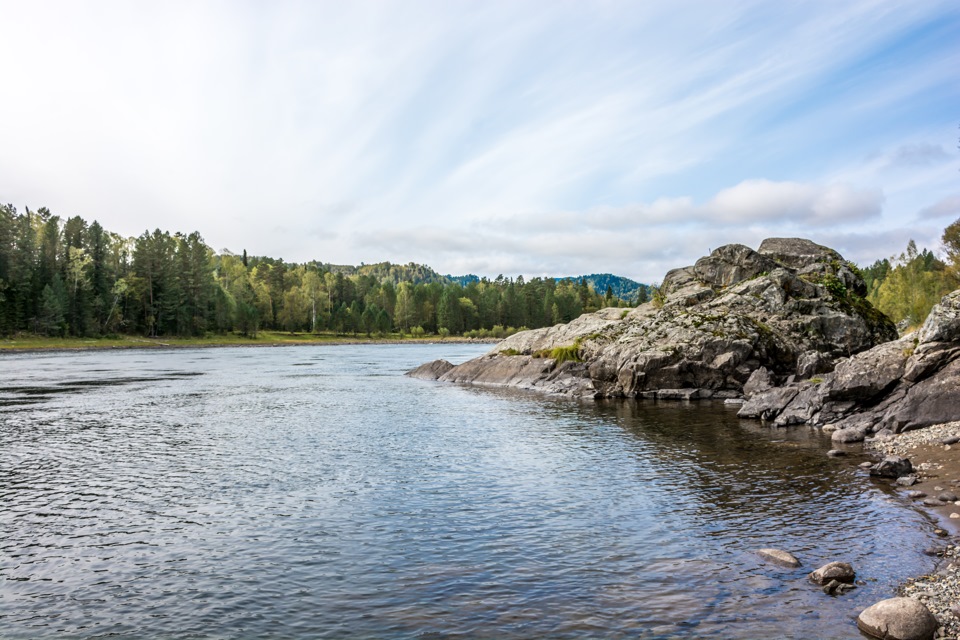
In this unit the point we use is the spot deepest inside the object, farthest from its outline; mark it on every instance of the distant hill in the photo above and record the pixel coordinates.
(623, 288)
(389, 272)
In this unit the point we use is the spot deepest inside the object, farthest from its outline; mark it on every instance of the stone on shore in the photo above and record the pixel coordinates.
(779, 557)
(839, 571)
(892, 467)
(898, 619)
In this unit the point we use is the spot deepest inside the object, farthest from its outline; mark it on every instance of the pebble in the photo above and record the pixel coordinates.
(916, 495)
(955, 515)
(866, 465)
(836, 453)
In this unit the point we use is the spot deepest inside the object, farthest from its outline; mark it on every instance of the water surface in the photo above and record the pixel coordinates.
(315, 492)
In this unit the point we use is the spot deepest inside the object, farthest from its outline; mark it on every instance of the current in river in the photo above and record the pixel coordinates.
(316, 492)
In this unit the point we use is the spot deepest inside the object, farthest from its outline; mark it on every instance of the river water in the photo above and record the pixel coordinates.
(316, 492)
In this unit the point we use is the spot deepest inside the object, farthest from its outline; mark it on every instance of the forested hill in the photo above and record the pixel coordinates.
(70, 277)
(623, 288)
(389, 272)
(620, 287)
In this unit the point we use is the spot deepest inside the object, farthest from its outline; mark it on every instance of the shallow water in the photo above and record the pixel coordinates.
(315, 492)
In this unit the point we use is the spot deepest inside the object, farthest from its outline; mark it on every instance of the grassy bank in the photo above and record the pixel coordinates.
(264, 338)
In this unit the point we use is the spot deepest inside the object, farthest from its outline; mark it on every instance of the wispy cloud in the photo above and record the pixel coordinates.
(487, 136)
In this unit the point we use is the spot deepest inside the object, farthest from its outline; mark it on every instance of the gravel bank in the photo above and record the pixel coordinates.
(934, 461)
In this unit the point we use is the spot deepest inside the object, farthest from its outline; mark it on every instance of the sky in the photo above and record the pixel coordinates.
(533, 137)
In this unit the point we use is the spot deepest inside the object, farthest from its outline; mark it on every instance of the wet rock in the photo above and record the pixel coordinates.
(839, 571)
(431, 370)
(907, 481)
(865, 465)
(934, 502)
(898, 619)
(766, 405)
(837, 588)
(836, 453)
(779, 557)
(947, 496)
(916, 495)
(892, 467)
(848, 435)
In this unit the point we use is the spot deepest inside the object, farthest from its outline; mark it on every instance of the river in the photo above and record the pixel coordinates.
(316, 492)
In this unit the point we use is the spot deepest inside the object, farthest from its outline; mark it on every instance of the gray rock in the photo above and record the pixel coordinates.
(849, 435)
(892, 467)
(870, 374)
(839, 571)
(797, 253)
(947, 496)
(760, 380)
(934, 502)
(950, 440)
(431, 370)
(907, 481)
(836, 453)
(811, 363)
(933, 400)
(731, 264)
(766, 405)
(779, 557)
(916, 495)
(865, 465)
(898, 619)
(943, 322)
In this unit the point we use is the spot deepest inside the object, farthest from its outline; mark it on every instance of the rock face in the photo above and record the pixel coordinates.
(900, 385)
(791, 304)
(898, 619)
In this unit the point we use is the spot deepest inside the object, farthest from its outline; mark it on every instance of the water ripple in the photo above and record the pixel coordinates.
(317, 493)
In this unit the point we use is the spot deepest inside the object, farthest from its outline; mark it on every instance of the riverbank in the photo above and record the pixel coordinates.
(31, 344)
(935, 455)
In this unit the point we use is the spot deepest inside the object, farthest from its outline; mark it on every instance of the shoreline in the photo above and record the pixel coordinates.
(937, 470)
(156, 343)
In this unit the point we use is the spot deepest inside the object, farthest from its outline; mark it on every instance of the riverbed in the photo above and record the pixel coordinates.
(316, 492)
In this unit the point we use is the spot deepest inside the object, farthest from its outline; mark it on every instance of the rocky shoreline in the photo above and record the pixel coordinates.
(784, 331)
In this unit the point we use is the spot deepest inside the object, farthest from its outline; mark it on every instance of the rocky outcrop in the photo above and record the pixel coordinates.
(900, 385)
(791, 307)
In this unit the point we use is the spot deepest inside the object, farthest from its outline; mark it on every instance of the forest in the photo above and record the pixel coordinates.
(70, 278)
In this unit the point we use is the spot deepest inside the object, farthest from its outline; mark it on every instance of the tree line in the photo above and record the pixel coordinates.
(70, 278)
(905, 287)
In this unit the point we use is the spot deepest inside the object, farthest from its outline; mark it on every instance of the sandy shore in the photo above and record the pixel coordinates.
(937, 466)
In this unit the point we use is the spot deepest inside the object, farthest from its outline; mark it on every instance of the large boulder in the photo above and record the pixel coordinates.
(898, 619)
(892, 467)
(943, 323)
(714, 324)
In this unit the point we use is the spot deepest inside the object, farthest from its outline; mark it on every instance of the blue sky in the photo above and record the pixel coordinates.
(521, 137)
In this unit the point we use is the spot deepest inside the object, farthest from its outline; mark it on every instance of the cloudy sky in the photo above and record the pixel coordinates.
(526, 136)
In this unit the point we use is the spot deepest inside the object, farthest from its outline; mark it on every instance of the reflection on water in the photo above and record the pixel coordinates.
(316, 492)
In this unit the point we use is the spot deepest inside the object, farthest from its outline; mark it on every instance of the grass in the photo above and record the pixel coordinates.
(264, 338)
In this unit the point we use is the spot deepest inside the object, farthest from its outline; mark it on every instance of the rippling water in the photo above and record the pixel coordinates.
(315, 492)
